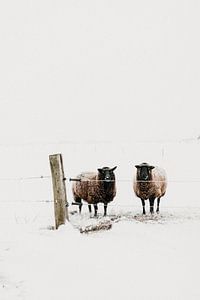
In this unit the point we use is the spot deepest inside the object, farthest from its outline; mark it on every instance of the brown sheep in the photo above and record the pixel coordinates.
(95, 188)
(150, 183)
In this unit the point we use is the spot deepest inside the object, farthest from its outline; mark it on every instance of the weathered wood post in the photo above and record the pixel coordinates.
(59, 189)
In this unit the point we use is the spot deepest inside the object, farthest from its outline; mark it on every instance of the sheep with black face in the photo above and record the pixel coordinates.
(150, 183)
(95, 187)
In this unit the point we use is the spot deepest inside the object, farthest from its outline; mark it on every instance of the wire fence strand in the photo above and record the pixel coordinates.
(24, 178)
(99, 204)
(70, 179)
(131, 180)
(139, 206)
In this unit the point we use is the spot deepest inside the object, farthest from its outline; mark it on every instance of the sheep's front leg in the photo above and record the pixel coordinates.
(105, 209)
(78, 202)
(80, 207)
(90, 208)
(151, 202)
(143, 206)
(158, 205)
(95, 209)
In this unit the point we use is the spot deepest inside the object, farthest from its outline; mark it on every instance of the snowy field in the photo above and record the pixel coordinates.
(105, 83)
(152, 257)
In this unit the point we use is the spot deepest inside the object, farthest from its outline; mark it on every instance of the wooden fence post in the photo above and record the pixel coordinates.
(59, 189)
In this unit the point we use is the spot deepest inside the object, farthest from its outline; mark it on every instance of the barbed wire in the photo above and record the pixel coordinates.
(138, 206)
(26, 201)
(69, 179)
(23, 178)
(131, 180)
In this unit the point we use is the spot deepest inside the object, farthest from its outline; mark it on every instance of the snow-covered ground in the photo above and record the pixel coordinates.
(138, 258)
(152, 259)
(105, 83)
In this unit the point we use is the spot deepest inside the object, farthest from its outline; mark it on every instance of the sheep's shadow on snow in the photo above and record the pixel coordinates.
(87, 223)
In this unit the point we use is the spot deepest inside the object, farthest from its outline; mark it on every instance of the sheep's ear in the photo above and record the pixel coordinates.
(151, 167)
(100, 170)
(137, 166)
(113, 169)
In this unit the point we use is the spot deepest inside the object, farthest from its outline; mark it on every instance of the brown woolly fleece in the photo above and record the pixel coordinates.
(156, 187)
(92, 190)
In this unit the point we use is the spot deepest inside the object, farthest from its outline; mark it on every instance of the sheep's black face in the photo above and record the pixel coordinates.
(144, 172)
(107, 174)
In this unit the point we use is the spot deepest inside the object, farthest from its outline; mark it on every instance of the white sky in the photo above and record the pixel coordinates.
(100, 70)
